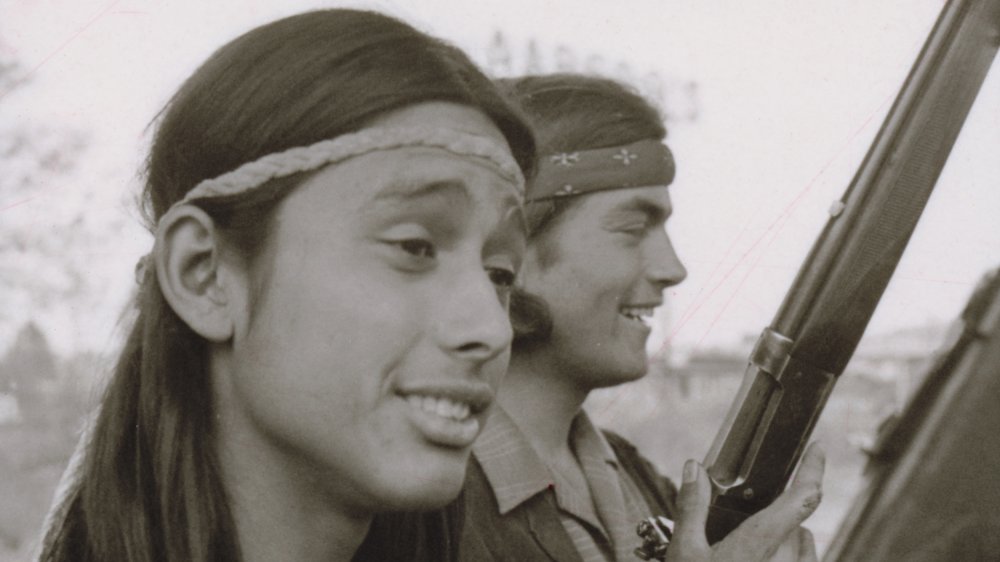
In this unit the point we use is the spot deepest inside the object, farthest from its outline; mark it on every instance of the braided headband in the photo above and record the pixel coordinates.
(306, 158)
(643, 163)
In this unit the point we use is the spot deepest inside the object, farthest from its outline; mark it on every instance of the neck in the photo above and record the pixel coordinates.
(543, 400)
(282, 507)
(278, 518)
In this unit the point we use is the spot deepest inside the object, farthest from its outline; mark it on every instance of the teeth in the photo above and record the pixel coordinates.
(444, 407)
(637, 313)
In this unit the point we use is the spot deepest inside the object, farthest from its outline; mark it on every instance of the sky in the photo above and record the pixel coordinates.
(785, 98)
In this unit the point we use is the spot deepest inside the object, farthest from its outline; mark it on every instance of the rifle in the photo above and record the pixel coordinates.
(798, 358)
(931, 490)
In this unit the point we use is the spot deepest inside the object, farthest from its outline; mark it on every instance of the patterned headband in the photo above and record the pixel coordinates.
(306, 158)
(643, 163)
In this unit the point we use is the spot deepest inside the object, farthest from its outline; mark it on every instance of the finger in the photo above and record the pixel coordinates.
(788, 551)
(766, 530)
(797, 547)
(802, 498)
(807, 546)
(810, 473)
(692, 503)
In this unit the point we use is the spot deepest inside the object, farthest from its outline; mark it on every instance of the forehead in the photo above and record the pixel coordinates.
(416, 171)
(395, 178)
(641, 200)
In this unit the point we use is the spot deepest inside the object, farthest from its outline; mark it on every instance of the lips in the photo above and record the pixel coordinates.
(447, 414)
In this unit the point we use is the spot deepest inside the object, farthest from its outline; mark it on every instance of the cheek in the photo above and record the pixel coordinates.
(604, 281)
(329, 337)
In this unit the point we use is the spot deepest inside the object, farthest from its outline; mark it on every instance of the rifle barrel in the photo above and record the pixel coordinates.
(818, 326)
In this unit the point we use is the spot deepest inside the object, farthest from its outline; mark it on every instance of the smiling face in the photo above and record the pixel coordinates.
(368, 364)
(606, 263)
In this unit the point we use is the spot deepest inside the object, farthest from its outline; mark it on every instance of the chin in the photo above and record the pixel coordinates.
(628, 369)
(621, 378)
(424, 496)
(420, 484)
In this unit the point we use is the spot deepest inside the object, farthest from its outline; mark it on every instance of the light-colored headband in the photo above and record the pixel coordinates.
(253, 175)
(306, 158)
(564, 174)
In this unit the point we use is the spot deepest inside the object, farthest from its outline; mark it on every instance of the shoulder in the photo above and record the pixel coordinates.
(659, 492)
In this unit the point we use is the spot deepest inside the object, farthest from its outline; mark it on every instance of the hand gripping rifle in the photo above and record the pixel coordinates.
(798, 358)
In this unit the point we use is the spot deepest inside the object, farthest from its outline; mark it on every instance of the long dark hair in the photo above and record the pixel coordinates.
(150, 487)
(569, 112)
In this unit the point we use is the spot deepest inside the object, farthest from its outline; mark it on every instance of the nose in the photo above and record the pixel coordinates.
(473, 324)
(663, 267)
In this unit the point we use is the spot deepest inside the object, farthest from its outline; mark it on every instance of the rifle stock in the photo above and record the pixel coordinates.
(931, 490)
(799, 357)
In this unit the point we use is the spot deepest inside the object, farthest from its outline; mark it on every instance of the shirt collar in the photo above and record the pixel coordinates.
(512, 467)
(514, 470)
(587, 439)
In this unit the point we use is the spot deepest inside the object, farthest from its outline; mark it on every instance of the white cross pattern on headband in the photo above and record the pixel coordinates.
(625, 156)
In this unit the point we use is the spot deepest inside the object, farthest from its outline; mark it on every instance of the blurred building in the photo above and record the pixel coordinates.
(711, 376)
(898, 358)
(894, 361)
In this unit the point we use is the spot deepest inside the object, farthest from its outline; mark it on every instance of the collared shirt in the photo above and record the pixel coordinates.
(601, 524)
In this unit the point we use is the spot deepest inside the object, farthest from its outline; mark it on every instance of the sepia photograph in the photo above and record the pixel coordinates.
(499, 281)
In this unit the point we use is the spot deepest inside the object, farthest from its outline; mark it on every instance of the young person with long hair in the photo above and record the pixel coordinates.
(336, 204)
(545, 484)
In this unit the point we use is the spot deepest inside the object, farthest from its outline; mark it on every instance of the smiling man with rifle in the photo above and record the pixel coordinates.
(544, 483)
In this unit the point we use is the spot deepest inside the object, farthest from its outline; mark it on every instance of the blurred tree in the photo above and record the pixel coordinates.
(28, 370)
(46, 238)
(678, 99)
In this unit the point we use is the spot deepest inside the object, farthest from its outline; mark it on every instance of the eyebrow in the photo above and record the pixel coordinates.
(654, 212)
(407, 190)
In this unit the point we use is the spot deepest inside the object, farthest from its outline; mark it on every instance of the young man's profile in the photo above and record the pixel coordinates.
(544, 482)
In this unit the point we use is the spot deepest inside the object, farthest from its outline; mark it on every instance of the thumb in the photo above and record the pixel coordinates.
(692, 503)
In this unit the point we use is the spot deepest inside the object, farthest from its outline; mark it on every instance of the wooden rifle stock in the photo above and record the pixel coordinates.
(799, 357)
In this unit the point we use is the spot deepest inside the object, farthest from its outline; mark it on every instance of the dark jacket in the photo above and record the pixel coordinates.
(533, 530)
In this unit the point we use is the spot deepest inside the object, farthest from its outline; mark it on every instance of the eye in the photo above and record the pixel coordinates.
(411, 253)
(633, 235)
(634, 229)
(501, 277)
(417, 247)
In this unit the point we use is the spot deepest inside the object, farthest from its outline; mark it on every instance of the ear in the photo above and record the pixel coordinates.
(189, 271)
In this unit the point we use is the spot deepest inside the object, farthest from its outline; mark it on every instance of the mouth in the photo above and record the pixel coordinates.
(448, 415)
(639, 314)
(440, 406)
